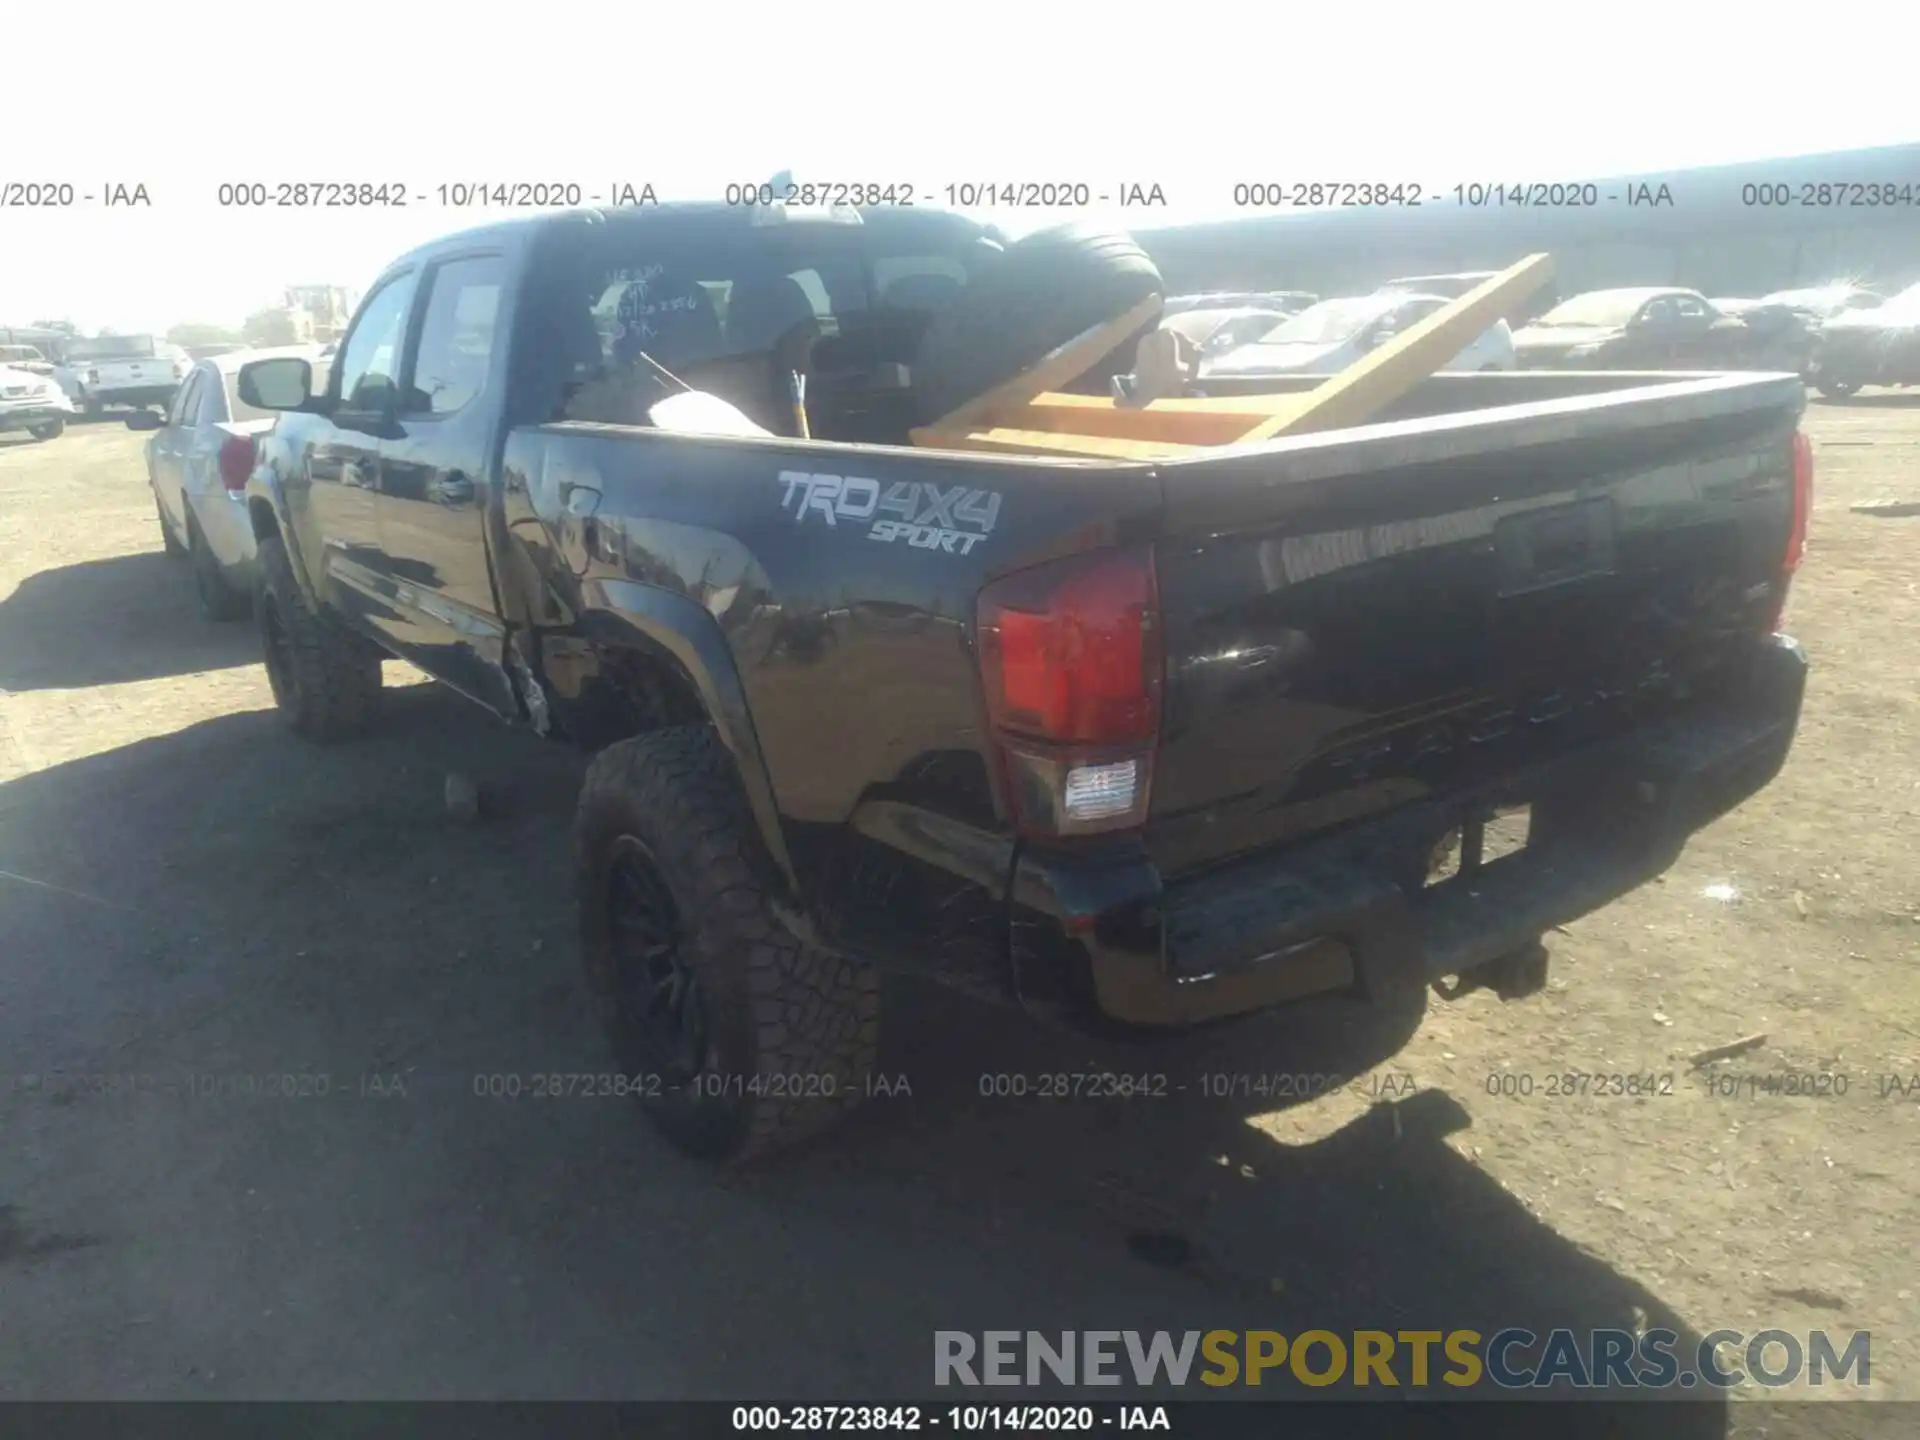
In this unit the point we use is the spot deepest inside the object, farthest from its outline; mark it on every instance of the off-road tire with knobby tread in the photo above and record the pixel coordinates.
(1045, 289)
(326, 682)
(794, 1029)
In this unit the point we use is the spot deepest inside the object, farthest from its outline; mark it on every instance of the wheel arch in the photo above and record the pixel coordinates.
(667, 661)
(266, 516)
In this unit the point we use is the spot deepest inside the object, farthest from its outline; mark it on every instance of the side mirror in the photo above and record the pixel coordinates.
(145, 420)
(282, 383)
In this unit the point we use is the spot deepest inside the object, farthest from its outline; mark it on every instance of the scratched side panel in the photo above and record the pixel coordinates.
(844, 579)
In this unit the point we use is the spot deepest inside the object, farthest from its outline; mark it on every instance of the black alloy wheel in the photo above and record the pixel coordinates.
(654, 978)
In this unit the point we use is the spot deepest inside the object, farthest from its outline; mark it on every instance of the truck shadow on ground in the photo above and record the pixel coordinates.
(258, 906)
(51, 627)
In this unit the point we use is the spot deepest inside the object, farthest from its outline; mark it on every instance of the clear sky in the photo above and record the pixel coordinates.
(688, 97)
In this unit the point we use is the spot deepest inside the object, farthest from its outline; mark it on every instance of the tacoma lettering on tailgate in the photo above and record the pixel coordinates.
(924, 515)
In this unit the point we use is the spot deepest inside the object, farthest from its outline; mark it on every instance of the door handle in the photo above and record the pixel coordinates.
(454, 489)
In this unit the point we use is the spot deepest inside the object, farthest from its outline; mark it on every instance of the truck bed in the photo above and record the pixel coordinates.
(1328, 601)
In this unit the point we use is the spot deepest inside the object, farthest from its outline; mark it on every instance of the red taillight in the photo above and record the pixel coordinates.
(1797, 522)
(236, 461)
(1070, 657)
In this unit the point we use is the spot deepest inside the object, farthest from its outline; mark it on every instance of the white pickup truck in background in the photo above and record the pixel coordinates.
(135, 370)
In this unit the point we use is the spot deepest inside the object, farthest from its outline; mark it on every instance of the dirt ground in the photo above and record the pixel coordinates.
(190, 898)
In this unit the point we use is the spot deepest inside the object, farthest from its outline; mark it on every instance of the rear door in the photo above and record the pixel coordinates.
(166, 451)
(1654, 335)
(432, 502)
(340, 469)
(1703, 339)
(203, 414)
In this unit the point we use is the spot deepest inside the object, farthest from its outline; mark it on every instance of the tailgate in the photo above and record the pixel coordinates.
(1357, 620)
(132, 374)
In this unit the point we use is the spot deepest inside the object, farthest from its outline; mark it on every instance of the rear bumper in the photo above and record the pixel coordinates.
(1336, 914)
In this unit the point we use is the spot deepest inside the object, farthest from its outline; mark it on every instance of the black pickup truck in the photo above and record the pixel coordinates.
(1135, 744)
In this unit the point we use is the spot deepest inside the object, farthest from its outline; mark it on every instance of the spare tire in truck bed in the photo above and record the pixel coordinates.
(1034, 296)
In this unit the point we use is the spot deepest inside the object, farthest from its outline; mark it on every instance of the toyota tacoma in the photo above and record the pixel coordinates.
(1134, 744)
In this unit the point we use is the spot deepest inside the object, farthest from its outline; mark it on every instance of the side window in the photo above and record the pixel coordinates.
(769, 302)
(1689, 310)
(1657, 313)
(369, 361)
(926, 284)
(184, 399)
(456, 338)
(814, 288)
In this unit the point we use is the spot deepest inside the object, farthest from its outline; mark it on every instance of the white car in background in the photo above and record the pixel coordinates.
(1326, 338)
(198, 461)
(27, 357)
(33, 403)
(1827, 301)
(135, 370)
(1214, 332)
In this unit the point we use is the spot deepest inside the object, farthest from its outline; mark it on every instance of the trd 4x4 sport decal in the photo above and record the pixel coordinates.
(925, 516)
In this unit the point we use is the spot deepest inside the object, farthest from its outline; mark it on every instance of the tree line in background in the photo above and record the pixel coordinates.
(262, 328)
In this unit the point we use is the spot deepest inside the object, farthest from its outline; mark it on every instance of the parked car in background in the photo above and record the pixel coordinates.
(198, 461)
(29, 358)
(1285, 302)
(1223, 320)
(50, 344)
(1880, 346)
(1330, 336)
(1455, 285)
(33, 403)
(1644, 328)
(1217, 331)
(1826, 301)
(1780, 336)
(135, 370)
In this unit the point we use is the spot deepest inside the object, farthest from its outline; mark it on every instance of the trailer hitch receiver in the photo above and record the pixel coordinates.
(1515, 975)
